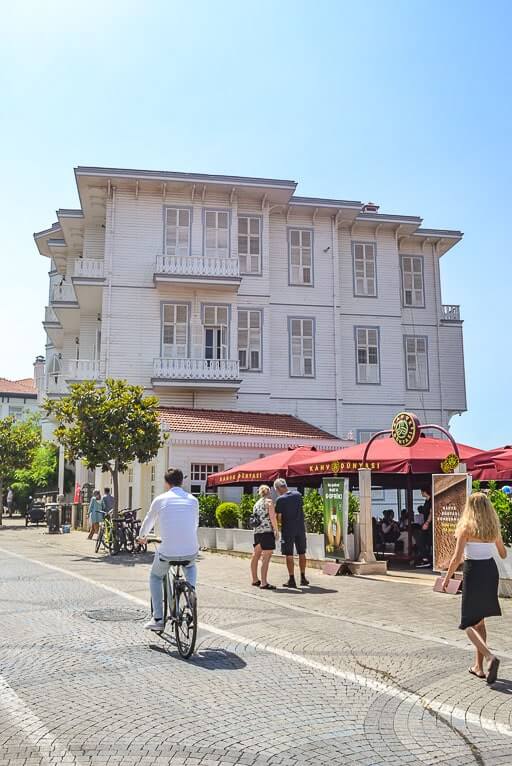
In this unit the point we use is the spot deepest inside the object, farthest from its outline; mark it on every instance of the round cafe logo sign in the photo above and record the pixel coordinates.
(405, 429)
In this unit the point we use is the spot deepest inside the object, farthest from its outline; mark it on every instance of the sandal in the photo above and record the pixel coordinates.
(492, 673)
(257, 583)
(477, 675)
(268, 586)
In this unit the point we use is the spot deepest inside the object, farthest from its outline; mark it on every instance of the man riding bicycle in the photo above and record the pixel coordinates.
(177, 513)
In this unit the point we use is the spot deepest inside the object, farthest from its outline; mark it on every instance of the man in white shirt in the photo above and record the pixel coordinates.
(177, 513)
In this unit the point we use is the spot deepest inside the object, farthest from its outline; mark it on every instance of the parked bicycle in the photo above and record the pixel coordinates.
(180, 607)
(116, 535)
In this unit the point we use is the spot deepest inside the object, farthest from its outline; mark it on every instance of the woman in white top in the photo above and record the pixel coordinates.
(264, 524)
(478, 535)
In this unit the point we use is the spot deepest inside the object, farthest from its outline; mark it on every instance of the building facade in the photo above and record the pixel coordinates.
(18, 398)
(230, 293)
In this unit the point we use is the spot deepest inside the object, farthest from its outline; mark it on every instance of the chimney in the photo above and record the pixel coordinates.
(371, 207)
(39, 375)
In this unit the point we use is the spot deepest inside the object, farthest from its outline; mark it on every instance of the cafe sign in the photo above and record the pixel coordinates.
(405, 429)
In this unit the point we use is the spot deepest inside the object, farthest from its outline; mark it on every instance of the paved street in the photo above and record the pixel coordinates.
(351, 670)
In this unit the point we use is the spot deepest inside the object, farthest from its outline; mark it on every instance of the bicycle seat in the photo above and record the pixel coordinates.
(178, 563)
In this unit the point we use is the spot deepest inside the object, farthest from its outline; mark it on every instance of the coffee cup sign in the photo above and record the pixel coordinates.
(405, 429)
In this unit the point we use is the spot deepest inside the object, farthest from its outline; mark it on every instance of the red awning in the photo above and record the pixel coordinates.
(493, 465)
(265, 469)
(384, 456)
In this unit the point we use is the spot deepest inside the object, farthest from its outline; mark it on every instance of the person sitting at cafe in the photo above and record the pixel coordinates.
(389, 528)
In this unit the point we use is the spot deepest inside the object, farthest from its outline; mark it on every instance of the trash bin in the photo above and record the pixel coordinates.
(53, 519)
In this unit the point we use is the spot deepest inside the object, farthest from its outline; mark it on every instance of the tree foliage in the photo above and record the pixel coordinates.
(108, 426)
(227, 515)
(18, 440)
(245, 509)
(207, 507)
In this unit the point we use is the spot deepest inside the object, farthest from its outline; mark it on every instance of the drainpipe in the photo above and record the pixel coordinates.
(437, 291)
(336, 318)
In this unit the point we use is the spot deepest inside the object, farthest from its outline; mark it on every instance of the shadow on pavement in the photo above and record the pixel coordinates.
(207, 659)
(311, 590)
(502, 685)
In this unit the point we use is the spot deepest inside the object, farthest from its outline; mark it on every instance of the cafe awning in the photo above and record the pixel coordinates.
(384, 456)
(265, 469)
(492, 465)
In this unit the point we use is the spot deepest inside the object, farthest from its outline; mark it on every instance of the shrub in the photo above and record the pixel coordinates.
(353, 508)
(314, 512)
(245, 509)
(503, 507)
(227, 515)
(207, 506)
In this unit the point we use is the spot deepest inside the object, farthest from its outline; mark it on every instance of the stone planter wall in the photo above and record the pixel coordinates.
(243, 540)
(207, 537)
(224, 539)
(505, 570)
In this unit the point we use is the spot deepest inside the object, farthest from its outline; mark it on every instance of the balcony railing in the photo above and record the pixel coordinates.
(450, 313)
(196, 369)
(83, 369)
(89, 268)
(55, 383)
(197, 266)
(63, 294)
(50, 317)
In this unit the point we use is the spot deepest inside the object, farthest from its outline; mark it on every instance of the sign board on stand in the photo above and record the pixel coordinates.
(449, 494)
(335, 495)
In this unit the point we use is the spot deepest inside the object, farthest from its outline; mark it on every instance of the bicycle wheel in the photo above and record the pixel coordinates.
(99, 540)
(129, 539)
(185, 624)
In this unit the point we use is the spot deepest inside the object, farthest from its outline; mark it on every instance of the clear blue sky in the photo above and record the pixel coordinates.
(407, 104)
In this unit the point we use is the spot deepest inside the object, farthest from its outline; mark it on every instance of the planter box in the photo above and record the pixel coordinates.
(243, 540)
(315, 546)
(350, 546)
(505, 571)
(224, 539)
(207, 537)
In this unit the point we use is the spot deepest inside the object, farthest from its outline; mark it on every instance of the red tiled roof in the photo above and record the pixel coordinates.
(24, 386)
(235, 422)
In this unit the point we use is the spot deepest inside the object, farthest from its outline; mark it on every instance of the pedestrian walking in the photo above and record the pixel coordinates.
(264, 524)
(478, 535)
(107, 501)
(290, 515)
(10, 501)
(95, 513)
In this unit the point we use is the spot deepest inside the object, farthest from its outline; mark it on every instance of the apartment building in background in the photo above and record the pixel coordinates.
(18, 398)
(261, 319)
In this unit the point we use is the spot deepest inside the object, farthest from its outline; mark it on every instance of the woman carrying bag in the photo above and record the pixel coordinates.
(478, 536)
(264, 524)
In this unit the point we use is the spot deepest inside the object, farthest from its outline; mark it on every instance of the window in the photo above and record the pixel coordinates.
(378, 494)
(175, 331)
(215, 320)
(416, 362)
(15, 411)
(301, 256)
(412, 281)
(249, 244)
(365, 276)
(367, 355)
(216, 233)
(249, 339)
(365, 436)
(199, 473)
(302, 348)
(177, 231)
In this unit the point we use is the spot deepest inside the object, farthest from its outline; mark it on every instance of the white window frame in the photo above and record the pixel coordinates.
(217, 324)
(299, 352)
(367, 373)
(411, 343)
(365, 434)
(245, 240)
(300, 257)
(364, 261)
(16, 411)
(413, 281)
(175, 350)
(215, 249)
(182, 231)
(252, 343)
(199, 473)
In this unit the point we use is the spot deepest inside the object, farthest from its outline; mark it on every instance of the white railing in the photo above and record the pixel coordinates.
(55, 383)
(63, 294)
(83, 369)
(197, 266)
(90, 268)
(450, 313)
(196, 369)
(50, 316)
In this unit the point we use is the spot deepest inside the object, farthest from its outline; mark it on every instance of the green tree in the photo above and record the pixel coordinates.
(207, 507)
(18, 440)
(108, 426)
(245, 509)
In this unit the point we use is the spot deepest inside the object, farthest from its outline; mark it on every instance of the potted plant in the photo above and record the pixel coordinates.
(227, 519)
(314, 516)
(243, 537)
(207, 532)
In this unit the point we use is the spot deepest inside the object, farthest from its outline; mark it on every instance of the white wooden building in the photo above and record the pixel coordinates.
(18, 398)
(230, 293)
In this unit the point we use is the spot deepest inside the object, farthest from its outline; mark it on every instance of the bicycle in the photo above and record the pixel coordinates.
(180, 607)
(106, 535)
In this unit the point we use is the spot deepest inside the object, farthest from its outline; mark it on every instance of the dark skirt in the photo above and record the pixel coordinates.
(479, 592)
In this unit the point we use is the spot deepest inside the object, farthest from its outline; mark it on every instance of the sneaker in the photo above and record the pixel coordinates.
(290, 583)
(154, 625)
(303, 580)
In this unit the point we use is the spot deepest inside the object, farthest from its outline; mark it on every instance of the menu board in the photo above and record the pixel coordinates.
(449, 494)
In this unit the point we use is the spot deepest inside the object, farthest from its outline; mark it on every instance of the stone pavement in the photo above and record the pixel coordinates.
(351, 670)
